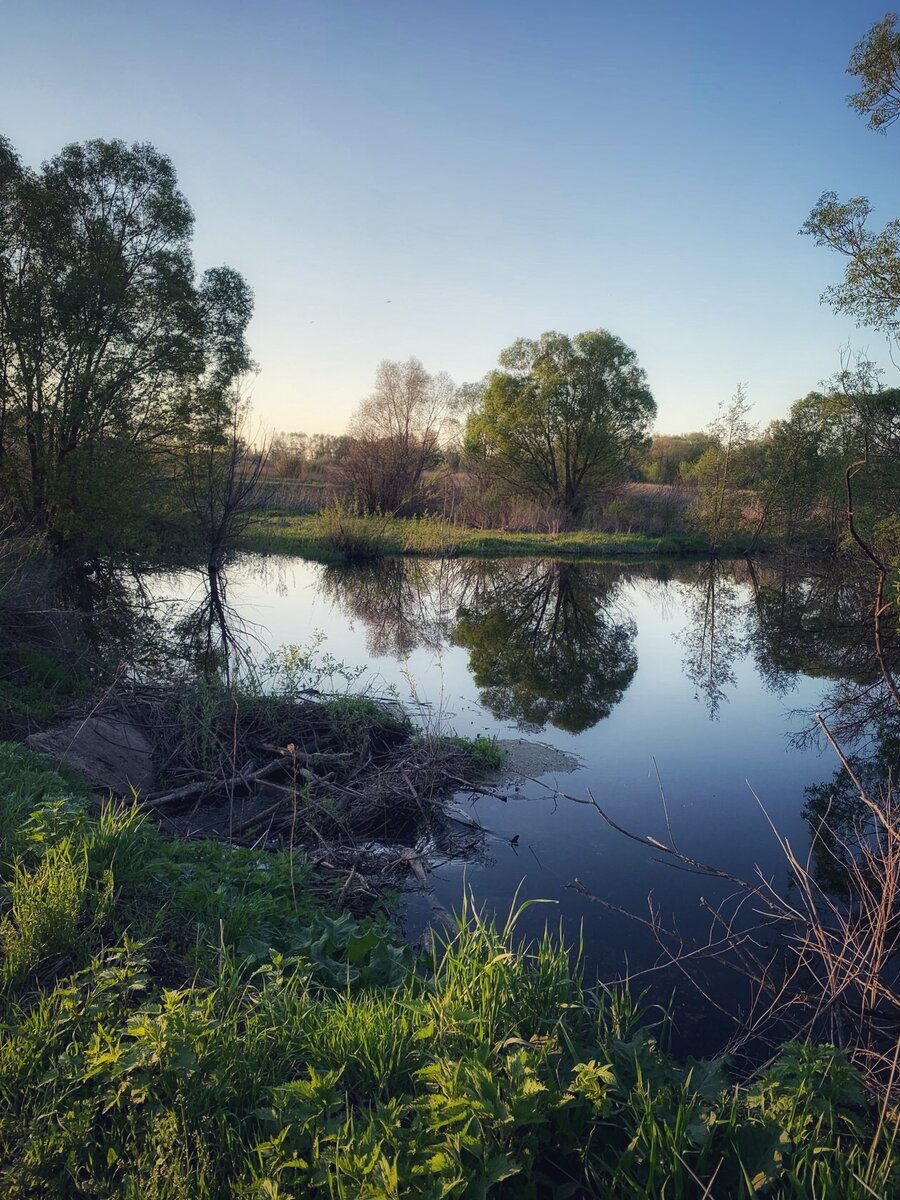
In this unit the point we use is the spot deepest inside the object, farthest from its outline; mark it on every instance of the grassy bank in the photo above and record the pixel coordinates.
(179, 1019)
(331, 537)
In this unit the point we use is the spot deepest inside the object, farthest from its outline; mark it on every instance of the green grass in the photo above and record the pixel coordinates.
(483, 750)
(182, 1020)
(316, 537)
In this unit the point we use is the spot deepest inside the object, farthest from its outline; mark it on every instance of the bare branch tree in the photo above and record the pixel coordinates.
(396, 434)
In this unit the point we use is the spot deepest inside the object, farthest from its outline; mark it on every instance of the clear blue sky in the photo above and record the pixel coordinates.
(492, 169)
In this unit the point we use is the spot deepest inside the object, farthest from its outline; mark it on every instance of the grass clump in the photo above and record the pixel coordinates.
(155, 1044)
(348, 536)
(485, 753)
(362, 716)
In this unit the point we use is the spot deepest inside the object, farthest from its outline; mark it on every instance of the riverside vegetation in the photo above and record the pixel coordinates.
(182, 1019)
(341, 534)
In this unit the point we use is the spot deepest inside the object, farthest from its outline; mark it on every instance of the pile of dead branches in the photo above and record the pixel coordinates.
(313, 770)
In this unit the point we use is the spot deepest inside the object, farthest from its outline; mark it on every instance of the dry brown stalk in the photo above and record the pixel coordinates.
(834, 969)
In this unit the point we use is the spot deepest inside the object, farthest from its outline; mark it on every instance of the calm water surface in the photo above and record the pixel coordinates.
(700, 678)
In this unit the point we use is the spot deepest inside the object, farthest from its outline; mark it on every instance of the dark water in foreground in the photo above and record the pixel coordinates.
(698, 679)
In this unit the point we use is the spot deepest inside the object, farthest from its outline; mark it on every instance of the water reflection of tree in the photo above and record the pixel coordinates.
(210, 636)
(545, 646)
(405, 603)
(86, 629)
(817, 620)
(795, 617)
(108, 617)
(813, 618)
(715, 636)
(840, 820)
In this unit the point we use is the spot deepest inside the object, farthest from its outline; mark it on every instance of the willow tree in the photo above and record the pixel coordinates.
(563, 416)
(110, 343)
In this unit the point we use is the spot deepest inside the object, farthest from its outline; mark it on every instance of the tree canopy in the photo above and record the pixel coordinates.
(110, 344)
(870, 289)
(563, 416)
(875, 62)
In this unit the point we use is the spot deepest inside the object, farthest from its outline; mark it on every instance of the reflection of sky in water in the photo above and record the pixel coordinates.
(705, 765)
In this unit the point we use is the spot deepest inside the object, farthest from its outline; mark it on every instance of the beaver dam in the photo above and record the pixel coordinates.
(348, 781)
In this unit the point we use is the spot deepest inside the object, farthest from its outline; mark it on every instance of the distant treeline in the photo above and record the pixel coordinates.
(788, 481)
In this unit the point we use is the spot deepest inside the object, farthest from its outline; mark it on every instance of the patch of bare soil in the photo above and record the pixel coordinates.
(526, 759)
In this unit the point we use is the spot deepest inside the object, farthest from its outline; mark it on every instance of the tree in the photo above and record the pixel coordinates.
(288, 454)
(870, 290)
(793, 466)
(218, 481)
(109, 343)
(875, 62)
(720, 499)
(563, 416)
(395, 435)
(669, 457)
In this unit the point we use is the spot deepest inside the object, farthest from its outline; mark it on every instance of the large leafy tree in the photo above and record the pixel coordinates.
(111, 347)
(563, 416)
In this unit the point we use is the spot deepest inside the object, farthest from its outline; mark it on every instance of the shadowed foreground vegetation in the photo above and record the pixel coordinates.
(182, 1019)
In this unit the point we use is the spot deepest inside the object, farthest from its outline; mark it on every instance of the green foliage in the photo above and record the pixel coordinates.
(870, 290)
(563, 415)
(875, 62)
(300, 1054)
(349, 536)
(669, 458)
(484, 751)
(292, 669)
(297, 534)
(719, 509)
(72, 879)
(352, 714)
(110, 343)
(37, 683)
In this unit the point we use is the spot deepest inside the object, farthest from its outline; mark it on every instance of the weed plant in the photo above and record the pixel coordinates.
(484, 751)
(182, 1020)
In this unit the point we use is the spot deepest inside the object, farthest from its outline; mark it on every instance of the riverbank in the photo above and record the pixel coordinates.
(330, 537)
(182, 1018)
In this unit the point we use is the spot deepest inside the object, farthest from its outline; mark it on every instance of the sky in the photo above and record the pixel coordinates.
(437, 179)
